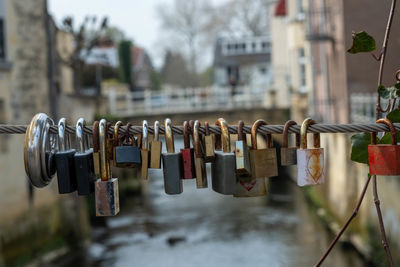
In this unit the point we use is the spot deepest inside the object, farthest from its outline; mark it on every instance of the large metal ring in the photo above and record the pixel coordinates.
(37, 141)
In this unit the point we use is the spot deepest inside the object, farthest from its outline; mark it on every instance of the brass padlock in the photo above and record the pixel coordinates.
(156, 148)
(243, 167)
(96, 153)
(106, 188)
(263, 161)
(209, 143)
(145, 151)
(289, 154)
(200, 165)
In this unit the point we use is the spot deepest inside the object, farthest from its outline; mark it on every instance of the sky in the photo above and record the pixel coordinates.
(138, 19)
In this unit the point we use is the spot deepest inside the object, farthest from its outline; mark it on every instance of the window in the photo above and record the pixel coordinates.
(2, 31)
(2, 40)
(299, 6)
(302, 70)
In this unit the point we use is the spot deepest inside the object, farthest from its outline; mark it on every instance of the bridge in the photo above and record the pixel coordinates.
(246, 103)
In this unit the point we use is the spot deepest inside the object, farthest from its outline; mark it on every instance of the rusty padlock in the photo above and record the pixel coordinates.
(384, 159)
(96, 148)
(145, 151)
(243, 167)
(201, 171)
(187, 154)
(289, 154)
(310, 161)
(264, 162)
(106, 188)
(209, 143)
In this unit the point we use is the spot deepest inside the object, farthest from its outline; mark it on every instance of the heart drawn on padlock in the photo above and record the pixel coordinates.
(314, 166)
(249, 185)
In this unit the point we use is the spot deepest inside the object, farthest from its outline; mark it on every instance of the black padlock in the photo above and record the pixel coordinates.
(64, 158)
(84, 166)
(126, 153)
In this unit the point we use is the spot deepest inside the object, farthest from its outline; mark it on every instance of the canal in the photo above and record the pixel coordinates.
(202, 228)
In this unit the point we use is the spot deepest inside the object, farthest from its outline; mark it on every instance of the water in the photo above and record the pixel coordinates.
(203, 228)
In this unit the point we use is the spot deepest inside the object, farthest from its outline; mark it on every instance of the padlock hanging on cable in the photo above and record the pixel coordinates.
(310, 161)
(289, 154)
(384, 159)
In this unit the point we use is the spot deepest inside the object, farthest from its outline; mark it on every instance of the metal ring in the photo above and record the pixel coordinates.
(145, 132)
(156, 131)
(169, 136)
(80, 137)
(36, 139)
(62, 124)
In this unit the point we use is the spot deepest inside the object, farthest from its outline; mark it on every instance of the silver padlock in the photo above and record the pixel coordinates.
(310, 161)
(243, 167)
(200, 165)
(172, 163)
(106, 188)
(289, 154)
(223, 169)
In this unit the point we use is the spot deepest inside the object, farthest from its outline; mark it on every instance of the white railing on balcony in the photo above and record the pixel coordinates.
(362, 107)
(175, 100)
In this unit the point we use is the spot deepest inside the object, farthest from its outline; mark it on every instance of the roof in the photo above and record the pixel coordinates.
(280, 9)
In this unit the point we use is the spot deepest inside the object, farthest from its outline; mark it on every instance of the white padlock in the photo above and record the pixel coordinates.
(310, 161)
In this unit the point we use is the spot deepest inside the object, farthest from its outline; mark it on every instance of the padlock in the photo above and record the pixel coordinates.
(310, 161)
(172, 163)
(289, 154)
(126, 153)
(64, 158)
(264, 162)
(39, 151)
(84, 167)
(243, 167)
(156, 148)
(187, 154)
(223, 169)
(384, 159)
(209, 143)
(96, 154)
(200, 166)
(106, 188)
(110, 144)
(145, 151)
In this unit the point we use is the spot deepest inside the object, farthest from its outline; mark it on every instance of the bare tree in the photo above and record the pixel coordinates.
(186, 20)
(84, 40)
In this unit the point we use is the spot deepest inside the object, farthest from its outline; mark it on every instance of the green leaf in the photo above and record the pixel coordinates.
(362, 42)
(397, 85)
(387, 93)
(394, 116)
(359, 147)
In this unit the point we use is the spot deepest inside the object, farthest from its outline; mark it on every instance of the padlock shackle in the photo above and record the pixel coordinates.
(207, 128)
(186, 135)
(303, 134)
(225, 140)
(254, 130)
(392, 131)
(240, 133)
(105, 170)
(81, 138)
(95, 136)
(285, 137)
(169, 136)
(156, 131)
(197, 141)
(64, 142)
(145, 135)
(117, 125)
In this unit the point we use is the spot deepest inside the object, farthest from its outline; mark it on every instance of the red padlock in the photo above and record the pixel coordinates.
(187, 154)
(384, 159)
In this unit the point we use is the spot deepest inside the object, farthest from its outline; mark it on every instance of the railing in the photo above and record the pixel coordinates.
(190, 100)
